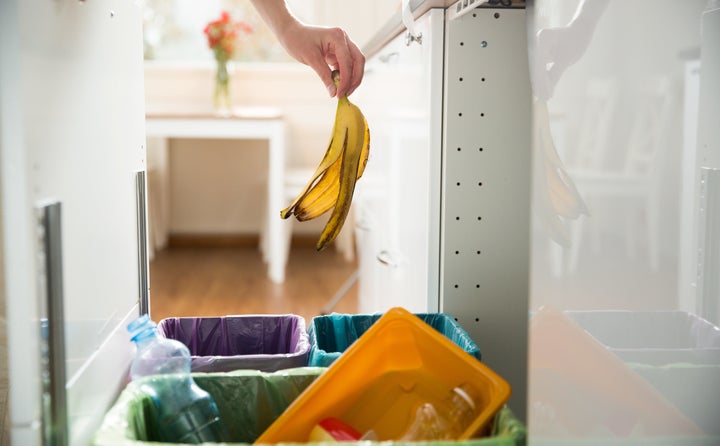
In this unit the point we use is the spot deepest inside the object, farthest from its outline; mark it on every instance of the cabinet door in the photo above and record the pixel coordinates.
(397, 201)
(72, 125)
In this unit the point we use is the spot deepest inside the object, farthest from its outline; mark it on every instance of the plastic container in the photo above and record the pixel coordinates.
(251, 400)
(399, 363)
(260, 342)
(692, 388)
(653, 337)
(331, 335)
(181, 411)
(446, 420)
(678, 353)
(585, 389)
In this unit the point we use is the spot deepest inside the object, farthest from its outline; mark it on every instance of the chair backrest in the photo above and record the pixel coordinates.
(599, 102)
(650, 126)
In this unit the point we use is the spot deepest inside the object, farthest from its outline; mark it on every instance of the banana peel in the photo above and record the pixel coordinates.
(557, 198)
(332, 185)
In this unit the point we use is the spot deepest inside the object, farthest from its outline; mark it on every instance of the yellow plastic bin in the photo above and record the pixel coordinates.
(399, 363)
(331, 335)
(266, 342)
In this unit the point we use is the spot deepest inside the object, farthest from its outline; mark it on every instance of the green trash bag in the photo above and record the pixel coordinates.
(248, 402)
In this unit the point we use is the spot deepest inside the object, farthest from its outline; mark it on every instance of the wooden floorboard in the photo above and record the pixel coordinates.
(220, 281)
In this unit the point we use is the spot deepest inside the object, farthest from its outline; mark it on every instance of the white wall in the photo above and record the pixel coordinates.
(215, 186)
(218, 186)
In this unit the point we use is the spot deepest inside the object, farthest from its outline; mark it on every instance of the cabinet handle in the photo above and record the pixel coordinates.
(363, 225)
(409, 22)
(410, 38)
(386, 258)
(142, 241)
(52, 328)
(389, 57)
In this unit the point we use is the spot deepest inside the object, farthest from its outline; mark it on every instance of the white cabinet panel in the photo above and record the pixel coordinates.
(449, 176)
(486, 188)
(72, 125)
(397, 199)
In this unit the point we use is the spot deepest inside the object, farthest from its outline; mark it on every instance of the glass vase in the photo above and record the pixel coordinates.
(221, 97)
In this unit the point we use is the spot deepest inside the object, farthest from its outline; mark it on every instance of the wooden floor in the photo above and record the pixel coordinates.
(196, 282)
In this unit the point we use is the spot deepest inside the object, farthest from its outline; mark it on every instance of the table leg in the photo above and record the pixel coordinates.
(276, 245)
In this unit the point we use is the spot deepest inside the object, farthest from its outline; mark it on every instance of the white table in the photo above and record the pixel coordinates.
(242, 123)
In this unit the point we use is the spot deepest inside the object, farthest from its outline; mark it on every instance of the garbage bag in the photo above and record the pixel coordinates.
(332, 334)
(222, 344)
(248, 402)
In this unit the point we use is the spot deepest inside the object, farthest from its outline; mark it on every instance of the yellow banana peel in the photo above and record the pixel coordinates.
(333, 183)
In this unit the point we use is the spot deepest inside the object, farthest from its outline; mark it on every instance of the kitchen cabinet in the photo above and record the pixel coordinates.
(442, 211)
(396, 204)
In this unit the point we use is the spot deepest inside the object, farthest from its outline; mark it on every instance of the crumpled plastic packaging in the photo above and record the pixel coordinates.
(248, 402)
(332, 334)
(259, 342)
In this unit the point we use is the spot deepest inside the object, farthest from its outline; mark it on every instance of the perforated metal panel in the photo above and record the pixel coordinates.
(486, 188)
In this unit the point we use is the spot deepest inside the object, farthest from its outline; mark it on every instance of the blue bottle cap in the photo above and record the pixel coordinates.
(141, 327)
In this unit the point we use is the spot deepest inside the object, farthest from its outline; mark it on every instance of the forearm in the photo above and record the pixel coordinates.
(322, 48)
(276, 15)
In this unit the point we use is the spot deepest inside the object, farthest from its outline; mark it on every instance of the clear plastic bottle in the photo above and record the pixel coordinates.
(446, 420)
(185, 412)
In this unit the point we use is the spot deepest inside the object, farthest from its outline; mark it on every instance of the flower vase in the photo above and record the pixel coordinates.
(222, 88)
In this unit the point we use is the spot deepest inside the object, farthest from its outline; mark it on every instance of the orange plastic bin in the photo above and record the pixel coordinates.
(377, 384)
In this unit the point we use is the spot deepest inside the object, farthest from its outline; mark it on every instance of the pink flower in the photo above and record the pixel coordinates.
(222, 35)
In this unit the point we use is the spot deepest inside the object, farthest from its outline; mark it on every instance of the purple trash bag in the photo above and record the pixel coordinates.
(259, 342)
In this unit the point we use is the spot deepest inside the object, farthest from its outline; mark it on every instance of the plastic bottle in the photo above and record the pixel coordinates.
(185, 412)
(446, 420)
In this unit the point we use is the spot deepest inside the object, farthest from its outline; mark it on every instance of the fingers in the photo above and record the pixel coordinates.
(358, 67)
(343, 56)
(325, 49)
(341, 53)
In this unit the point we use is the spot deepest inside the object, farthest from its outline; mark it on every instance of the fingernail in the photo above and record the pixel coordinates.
(331, 90)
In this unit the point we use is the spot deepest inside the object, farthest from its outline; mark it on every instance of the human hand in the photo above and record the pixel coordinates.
(324, 50)
(559, 48)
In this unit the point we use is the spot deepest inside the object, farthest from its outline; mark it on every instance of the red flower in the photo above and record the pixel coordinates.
(222, 35)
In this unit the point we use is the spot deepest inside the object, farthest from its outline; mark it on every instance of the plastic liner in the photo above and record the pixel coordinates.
(259, 342)
(249, 401)
(332, 334)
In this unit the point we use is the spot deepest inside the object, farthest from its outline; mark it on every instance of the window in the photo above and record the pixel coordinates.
(173, 30)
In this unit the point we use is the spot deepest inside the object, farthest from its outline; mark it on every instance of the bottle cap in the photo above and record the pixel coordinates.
(140, 326)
